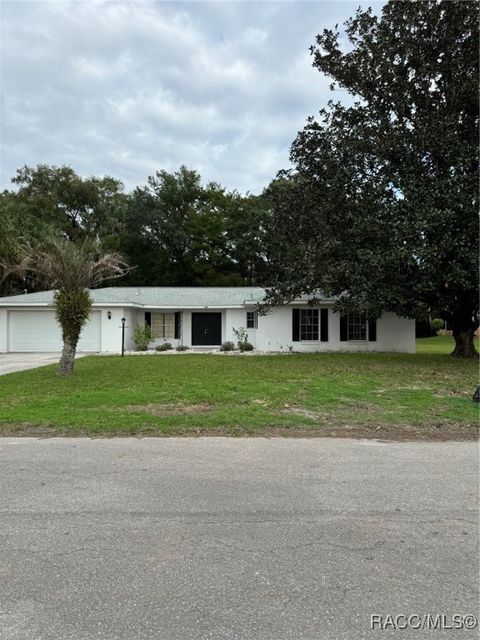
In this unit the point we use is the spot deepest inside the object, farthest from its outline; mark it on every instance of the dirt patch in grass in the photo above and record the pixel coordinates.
(443, 393)
(354, 404)
(348, 408)
(398, 432)
(301, 411)
(28, 430)
(395, 432)
(169, 409)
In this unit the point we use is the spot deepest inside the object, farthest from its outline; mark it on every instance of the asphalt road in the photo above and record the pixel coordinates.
(248, 539)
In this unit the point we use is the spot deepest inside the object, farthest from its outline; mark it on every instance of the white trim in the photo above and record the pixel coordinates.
(137, 305)
(308, 340)
(358, 340)
(105, 305)
(51, 305)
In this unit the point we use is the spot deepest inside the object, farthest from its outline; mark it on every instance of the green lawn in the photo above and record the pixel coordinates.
(439, 344)
(423, 395)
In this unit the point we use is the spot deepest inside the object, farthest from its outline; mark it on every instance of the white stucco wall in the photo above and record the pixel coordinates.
(186, 338)
(236, 319)
(112, 329)
(274, 332)
(395, 334)
(3, 331)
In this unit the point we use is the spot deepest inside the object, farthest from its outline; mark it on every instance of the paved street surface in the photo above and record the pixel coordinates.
(248, 539)
(11, 362)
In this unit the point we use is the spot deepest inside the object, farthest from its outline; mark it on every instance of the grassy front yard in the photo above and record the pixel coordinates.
(427, 395)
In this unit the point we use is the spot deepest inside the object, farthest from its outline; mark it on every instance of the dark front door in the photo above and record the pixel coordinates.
(206, 329)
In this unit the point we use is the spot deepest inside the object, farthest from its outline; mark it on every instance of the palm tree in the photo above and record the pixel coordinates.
(71, 269)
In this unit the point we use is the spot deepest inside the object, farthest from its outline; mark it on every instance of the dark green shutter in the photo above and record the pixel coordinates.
(177, 325)
(323, 325)
(343, 328)
(372, 330)
(296, 325)
(148, 318)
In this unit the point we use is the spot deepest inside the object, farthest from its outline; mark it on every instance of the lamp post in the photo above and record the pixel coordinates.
(123, 336)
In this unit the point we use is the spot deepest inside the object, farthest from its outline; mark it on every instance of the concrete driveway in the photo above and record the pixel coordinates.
(248, 539)
(11, 362)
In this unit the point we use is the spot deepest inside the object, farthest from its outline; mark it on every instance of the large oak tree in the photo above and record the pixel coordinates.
(381, 208)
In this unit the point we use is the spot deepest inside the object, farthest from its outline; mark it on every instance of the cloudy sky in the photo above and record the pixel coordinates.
(128, 88)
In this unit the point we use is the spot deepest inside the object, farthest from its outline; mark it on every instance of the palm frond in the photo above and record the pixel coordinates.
(65, 265)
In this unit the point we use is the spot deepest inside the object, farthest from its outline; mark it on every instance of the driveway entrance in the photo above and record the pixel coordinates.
(11, 362)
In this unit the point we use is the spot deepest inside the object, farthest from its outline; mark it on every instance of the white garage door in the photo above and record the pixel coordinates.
(39, 331)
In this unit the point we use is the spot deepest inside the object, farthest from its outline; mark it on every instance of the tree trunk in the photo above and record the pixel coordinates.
(65, 366)
(464, 343)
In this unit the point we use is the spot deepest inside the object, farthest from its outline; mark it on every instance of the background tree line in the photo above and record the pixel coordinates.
(174, 230)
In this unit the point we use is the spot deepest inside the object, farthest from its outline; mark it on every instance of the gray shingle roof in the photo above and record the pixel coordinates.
(173, 297)
(155, 296)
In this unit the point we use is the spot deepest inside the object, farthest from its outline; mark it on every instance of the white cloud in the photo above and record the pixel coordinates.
(128, 88)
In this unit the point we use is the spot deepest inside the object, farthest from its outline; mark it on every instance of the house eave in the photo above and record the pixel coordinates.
(137, 305)
(10, 305)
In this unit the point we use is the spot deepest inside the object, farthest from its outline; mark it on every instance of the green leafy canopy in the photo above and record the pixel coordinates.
(381, 207)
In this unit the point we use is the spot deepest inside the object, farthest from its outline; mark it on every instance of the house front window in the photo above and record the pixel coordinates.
(252, 320)
(163, 325)
(309, 324)
(357, 326)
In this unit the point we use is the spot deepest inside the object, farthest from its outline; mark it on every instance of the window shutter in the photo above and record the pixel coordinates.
(296, 325)
(343, 328)
(372, 330)
(323, 325)
(148, 318)
(177, 325)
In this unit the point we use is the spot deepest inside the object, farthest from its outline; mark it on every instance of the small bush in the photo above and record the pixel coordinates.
(437, 324)
(181, 347)
(166, 346)
(227, 346)
(241, 335)
(245, 346)
(142, 336)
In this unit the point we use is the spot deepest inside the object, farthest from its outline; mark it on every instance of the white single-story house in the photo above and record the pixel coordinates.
(199, 317)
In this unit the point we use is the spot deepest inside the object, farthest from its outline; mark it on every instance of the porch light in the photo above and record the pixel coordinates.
(109, 315)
